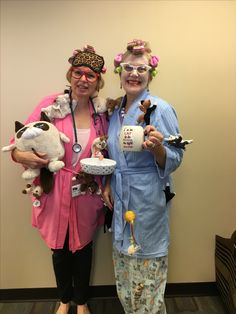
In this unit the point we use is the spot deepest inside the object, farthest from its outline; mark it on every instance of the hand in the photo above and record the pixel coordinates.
(154, 138)
(30, 159)
(107, 196)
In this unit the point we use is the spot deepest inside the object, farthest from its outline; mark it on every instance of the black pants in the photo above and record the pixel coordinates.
(72, 272)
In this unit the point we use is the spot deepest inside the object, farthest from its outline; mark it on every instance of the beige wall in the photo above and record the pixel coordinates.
(196, 42)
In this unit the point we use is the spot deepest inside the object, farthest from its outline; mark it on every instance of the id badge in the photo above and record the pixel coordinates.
(75, 190)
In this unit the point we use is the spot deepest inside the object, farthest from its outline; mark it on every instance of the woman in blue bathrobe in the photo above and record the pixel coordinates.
(141, 185)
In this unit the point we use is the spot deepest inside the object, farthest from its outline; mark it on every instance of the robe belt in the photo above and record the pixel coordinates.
(122, 199)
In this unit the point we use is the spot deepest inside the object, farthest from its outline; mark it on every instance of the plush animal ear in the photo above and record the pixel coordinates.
(18, 126)
(44, 117)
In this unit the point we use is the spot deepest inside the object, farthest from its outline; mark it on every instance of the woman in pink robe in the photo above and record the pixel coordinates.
(67, 221)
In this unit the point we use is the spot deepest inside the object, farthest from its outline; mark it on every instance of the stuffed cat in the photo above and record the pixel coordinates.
(60, 107)
(40, 136)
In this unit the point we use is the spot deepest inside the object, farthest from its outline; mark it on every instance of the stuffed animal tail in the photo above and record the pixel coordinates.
(46, 180)
(8, 148)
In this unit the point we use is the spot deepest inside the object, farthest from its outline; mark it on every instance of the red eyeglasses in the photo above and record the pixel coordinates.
(90, 76)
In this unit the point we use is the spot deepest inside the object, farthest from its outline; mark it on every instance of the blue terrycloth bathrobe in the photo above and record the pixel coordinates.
(138, 183)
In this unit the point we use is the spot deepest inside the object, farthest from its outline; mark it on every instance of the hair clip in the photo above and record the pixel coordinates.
(153, 73)
(88, 48)
(135, 42)
(118, 69)
(138, 50)
(154, 61)
(104, 69)
(118, 59)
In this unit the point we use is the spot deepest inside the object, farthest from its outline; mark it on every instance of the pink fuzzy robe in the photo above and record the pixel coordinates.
(58, 210)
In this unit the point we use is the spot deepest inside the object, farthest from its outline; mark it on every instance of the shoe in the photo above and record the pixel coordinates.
(63, 308)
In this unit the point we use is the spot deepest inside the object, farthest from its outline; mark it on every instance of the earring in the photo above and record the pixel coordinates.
(120, 85)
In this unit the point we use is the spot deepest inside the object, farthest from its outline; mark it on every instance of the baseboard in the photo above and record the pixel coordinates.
(191, 289)
(172, 290)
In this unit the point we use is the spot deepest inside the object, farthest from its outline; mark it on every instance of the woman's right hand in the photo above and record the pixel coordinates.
(30, 159)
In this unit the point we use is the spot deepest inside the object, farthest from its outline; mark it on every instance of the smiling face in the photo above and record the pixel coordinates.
(83, 81)
(134, 82)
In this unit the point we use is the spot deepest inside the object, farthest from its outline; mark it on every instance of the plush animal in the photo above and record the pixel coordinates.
(60, 107)
(102, 105)
(40, 136)
(99, 103)
(87, 183)
(177, 141)
(108, 218)
(36, 191)
(98, 146)
(112, 104)
(168, 193)
(147, 110)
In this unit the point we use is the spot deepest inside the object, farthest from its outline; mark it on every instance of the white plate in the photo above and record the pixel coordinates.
(98, 167)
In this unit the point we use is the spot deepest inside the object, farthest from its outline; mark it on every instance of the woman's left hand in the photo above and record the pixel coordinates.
(153, 138)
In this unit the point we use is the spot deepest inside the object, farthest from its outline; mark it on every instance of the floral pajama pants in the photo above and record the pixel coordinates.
(141, 283)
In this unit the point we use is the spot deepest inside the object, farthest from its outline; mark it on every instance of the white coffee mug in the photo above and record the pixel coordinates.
(131, 138)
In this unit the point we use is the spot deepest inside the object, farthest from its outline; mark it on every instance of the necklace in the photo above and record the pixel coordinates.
(123, 110)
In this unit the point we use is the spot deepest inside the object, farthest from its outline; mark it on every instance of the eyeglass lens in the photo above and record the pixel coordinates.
(140, 68)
